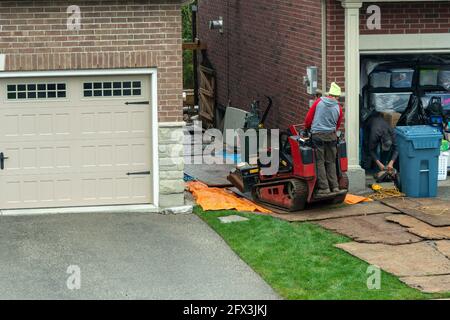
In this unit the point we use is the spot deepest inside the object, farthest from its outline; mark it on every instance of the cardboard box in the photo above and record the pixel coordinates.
(391, 118)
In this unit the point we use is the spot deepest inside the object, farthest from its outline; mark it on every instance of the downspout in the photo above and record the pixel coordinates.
(228, 51)
(194, 10)
(324, 46)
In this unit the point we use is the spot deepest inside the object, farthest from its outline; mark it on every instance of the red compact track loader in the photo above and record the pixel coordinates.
(295, 184)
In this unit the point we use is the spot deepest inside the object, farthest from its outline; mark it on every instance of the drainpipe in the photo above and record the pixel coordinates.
(195, 53)
(324, 46)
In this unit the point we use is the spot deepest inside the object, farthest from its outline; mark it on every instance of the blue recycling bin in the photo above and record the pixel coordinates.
(419, 149)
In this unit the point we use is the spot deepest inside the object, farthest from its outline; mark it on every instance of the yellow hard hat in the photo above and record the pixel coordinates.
(335, 90)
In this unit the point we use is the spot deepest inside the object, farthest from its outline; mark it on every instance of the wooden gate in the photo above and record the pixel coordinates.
(207, 92)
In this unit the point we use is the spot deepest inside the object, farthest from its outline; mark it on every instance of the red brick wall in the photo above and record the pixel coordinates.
(114, 34)
(264, 50)
(410, 17)
(268, 44)
(396, 18)
(335, 43)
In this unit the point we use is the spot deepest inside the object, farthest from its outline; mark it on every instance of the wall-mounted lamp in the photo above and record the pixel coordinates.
(216, 24)
(310, 80)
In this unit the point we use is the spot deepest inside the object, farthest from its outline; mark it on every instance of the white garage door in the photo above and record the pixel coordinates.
(78, 141)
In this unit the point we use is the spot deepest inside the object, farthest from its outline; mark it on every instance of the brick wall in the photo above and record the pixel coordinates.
(268, 44)
(114, 34)
(264, 50)
(396, 18)
(410, 17)
(335, 43)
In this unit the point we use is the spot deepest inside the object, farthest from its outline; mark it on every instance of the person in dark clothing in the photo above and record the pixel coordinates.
(382, 136)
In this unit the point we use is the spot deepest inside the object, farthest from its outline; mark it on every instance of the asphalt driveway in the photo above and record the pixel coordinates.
(121, 256)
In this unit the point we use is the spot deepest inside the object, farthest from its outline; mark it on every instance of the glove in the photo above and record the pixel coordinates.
(306, 133)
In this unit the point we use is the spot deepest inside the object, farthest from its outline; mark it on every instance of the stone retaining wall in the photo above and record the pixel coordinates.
(171, 164)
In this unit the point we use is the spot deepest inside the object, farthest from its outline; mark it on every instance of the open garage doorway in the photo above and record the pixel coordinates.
(387, 83)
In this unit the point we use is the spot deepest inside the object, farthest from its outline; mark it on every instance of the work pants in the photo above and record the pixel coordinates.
(326, 150)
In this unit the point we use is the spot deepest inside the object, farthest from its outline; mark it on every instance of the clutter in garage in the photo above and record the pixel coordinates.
(407, 90)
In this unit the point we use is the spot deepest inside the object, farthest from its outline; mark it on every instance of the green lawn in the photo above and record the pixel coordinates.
(300, 262)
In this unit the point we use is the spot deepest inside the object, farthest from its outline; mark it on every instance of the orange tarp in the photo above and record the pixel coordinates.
(352, 199)
(221, 199)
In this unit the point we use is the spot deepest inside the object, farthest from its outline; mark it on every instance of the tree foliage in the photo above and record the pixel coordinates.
(188, 70)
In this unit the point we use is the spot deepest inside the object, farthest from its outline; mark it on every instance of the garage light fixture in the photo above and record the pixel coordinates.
(216, 24)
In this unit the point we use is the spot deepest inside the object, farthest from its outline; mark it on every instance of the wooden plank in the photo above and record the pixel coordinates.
(196, 45)
(206, 92)
(207, 70)
(206, 116)
(207, 95)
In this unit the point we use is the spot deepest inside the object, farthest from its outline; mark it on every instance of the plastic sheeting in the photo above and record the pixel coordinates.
(390, 102)
(353, 199)
(444, 79)
(414, 114)
(221, 199)
(445, 99)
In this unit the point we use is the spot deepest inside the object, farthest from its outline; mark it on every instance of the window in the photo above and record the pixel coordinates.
(36, 91)
(112, 89)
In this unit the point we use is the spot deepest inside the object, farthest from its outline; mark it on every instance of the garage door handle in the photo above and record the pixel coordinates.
(2, 160)
(138, 102)
(138, 173)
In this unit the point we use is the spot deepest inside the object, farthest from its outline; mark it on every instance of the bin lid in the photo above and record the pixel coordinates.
(411, 132)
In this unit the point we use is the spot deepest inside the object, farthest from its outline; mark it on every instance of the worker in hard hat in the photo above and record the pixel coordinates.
(323, 120)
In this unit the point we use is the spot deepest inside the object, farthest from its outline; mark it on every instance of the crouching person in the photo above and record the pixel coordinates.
(382, 139)
(323, 120)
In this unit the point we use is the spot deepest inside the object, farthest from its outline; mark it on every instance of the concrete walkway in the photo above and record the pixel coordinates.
(412, 243)
(444, 189)
(121, 256)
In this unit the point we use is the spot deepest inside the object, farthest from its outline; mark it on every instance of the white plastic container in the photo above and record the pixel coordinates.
(443, 164)
(390, 102)
(448, 162)
(380, 80)
(429, 77)
(402, 78)
(444, 79)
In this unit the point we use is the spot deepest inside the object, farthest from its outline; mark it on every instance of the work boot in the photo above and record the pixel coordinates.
(323, 192)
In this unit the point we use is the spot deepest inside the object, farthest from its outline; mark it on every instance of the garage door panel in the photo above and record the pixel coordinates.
(23, 193)
(112, 155)
(37, 127)
(36, 191)
(38, 158)
(75, 124)
(119, 123)
(76, 151)
(118, 189)
(71, 190)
